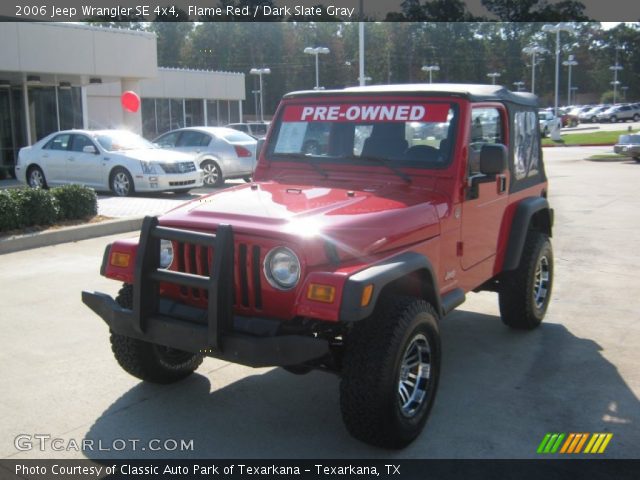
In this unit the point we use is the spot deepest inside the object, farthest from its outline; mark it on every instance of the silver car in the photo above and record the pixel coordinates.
(222, 153)
(116, 160)
(619, 113)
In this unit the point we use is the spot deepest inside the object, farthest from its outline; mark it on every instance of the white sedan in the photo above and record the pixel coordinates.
(116, 160)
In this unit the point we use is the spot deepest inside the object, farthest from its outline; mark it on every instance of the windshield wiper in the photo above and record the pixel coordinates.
(309, 160)
(384, 162)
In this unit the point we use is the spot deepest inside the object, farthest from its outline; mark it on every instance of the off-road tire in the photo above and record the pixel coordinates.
(147, 361)
(375, 351)
(520, 308)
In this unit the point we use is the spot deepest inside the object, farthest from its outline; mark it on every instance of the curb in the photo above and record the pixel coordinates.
(18, 243)
(580, 145)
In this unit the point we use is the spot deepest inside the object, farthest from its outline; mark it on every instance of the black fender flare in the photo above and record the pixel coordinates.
(525, 212)
(382, 274)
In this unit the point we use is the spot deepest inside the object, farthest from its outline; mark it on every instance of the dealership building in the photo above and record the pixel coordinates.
(56, 76)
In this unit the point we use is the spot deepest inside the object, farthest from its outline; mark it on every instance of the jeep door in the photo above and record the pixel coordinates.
(486, 200)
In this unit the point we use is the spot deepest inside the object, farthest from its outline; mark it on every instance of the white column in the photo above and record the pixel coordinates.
(205, 112)
(27, 114)
(85, 107)
(132, 120)
(240, 109)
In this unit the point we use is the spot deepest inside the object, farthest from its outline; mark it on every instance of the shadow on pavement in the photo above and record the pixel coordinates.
(501, 391)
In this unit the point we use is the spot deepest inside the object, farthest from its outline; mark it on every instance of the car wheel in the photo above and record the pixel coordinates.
(545, 132)
(121, 182)
(36, 178)
(524, 293)
(637, 159)
(613, 119)
(212, 174)
(148, 361)
(391, 371)
(636, 117)
(573, 123)
(247, 179)
(594, 120)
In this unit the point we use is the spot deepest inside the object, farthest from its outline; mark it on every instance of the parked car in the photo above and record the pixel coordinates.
(619, 113)
(591, 115)
(346, 260)
(628, 145)
(568, 118)
(222, 153)
(116, 160)
(546, 120)
(257, 130)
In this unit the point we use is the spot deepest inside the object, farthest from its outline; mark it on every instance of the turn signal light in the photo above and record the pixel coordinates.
(367, 293)
(321, 293)
(120, 259)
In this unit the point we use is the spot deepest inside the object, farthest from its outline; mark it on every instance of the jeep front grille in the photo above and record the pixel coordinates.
(196, 259)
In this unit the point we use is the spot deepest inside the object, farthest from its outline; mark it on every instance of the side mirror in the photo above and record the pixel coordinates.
(259, 146)
(89, 149)
(493, 159)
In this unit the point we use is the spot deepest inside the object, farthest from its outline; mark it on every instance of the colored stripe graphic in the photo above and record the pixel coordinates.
(573, 443)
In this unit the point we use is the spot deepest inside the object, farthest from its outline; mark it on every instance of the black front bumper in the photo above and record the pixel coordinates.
(215, 331)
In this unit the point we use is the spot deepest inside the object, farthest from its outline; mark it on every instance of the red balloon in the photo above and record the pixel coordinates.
(130, 101)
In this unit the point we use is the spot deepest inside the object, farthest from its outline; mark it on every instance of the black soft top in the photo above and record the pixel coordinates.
(472, 92)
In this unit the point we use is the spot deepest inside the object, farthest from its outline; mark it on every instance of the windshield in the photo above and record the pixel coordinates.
(234, 136)
(115, 141)
(406, 134)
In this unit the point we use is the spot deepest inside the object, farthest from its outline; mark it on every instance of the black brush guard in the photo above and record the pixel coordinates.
(214, 331)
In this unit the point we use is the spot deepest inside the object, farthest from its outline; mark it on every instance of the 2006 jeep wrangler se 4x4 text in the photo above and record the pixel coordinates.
(372, 212)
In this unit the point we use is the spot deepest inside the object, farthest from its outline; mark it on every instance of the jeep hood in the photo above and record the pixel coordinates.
(363, 220)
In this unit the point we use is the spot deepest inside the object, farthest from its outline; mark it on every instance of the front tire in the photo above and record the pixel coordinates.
(36, 177)
(525, 293)
(148, 361)
(121, 182)
(391, 372)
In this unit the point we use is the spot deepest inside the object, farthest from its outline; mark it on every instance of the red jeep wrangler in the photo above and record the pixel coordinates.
(344, 257)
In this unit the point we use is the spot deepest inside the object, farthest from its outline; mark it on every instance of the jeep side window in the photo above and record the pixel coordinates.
(486, 127)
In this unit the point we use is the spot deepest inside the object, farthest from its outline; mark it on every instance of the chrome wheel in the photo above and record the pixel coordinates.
(211, 174)
(121, 184)
(415, 373)
(541, 282)
(36, 178)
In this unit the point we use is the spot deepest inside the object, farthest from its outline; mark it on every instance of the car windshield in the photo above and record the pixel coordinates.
(629, 139)
(116, 141)
(234, 136)
(402, 133)
(259, 128)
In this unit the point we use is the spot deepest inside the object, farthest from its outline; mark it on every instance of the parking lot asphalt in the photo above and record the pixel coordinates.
(501, 391)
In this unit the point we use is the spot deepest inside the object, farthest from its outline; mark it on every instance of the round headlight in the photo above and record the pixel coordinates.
(166, 253)
(282, 268)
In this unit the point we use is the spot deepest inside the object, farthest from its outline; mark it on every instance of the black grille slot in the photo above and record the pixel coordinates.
(244, 281)
(257, 288)
(178, 167)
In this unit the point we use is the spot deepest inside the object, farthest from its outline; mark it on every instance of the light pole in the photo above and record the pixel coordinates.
(569, 63)
(430, 69)
(574, 95)
(615, 82)
(519, 86)
(255, 100)
(260, 72)
(493, 76)
(316, 51)
(533, 50)
(560, 27)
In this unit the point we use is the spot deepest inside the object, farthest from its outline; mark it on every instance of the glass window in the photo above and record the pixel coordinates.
(162, 115)
(70, 104)
(59, 142)
(168, 140)
(411, 134)
(177, 115)
(79, 142)
(526, 138)
(43, 114)
(223, 113)
(193, 139)
(486, 127)
(236, 137)
(194, 113)
(149, 128)
(212, 112)
(123, 141)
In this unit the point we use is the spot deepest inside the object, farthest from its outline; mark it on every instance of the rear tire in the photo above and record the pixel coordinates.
(613, 119)
(525, 293)
(636, 117)
(36, 178)
(148, 361)
(212, 174)
(391, 371)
